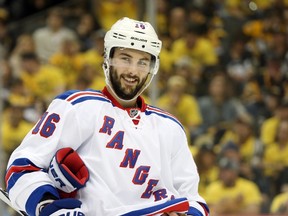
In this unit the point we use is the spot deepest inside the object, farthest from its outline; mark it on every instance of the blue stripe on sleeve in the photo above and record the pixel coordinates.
(18, 168)
(195, 212)
(36, 197)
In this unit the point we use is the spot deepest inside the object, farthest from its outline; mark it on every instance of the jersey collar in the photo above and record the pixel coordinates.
(140, 101)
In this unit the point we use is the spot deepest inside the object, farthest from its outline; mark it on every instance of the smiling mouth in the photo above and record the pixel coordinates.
(129, 80)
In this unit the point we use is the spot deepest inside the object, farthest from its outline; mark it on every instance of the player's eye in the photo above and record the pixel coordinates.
(143, 63)
(125, 60)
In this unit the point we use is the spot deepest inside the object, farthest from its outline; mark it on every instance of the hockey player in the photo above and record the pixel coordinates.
(107, 153)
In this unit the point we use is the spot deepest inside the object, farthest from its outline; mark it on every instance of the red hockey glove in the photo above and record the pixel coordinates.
(68, 172)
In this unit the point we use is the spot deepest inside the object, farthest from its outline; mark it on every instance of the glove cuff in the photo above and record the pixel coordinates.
(68, 171)
(42, 205)
(68, 206)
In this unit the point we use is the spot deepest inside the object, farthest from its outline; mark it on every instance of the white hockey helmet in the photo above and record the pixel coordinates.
(133, 34)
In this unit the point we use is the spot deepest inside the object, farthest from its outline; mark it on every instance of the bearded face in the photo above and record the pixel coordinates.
(124, 91)
(129, 72)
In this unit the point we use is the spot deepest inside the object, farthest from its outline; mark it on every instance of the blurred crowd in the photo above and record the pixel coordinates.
(223, 74)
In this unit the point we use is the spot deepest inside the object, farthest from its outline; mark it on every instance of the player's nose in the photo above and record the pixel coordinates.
(133, 69)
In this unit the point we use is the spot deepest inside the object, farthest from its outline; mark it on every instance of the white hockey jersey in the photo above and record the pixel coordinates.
(138, 159)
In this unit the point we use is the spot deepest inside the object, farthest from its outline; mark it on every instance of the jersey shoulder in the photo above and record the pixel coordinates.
(153, 110)
(80, 96)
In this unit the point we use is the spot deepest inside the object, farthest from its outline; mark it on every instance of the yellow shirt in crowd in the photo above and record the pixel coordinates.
(45, 83)
(275, 158)
(268, 130)
(187, 109)
(278, 201)
(11, 136)
(203, 52)
(248, 191)
(110, 11)
(70, 66)
(246, 149)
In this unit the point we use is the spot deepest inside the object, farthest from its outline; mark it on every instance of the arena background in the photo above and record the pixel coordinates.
(24, 16)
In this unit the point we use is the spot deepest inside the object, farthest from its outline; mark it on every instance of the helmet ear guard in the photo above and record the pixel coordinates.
(132, 34)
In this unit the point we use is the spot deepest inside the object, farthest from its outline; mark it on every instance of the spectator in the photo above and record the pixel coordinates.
(216, 33)
(162, 16)
(42, 81)
(90, 78)
(194, 45)
(192, 73)
(13, 129)
(232, 194)
(166, 56)
(218, 108)
(94, 55)
(48, 39)
(196, 14)
(243, 144)
(19, 95)
(177, 18)
(69, 60)
(275, 157)
(234, 16)
(253, 101)
(109, 11)
(279, 204)
(272, 98)
(24, 43)
(250, 147)
(238, 61)
(206, 160)
(181, 104)
(84, 29)
(269, 127)
(274, 74)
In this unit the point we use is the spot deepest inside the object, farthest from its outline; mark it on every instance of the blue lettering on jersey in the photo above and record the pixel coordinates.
(129, 161)
(141, 175)
(117, 141)
(47, 124)
(107, 125)
(130, 158)
(160, 194)
(149, 189)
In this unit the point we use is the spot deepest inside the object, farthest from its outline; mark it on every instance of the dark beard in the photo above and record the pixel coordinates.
(119, 91)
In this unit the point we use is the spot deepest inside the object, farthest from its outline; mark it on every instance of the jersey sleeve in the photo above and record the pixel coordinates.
(26, 176)
(185, 175)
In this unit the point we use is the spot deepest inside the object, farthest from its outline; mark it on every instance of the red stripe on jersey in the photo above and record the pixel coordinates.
(177, 207)
(205, 209)
(72, 97)
(160, 111)
(19, 169)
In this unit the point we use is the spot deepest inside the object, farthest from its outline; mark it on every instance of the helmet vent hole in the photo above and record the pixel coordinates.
(132, 44)
(143, 46)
